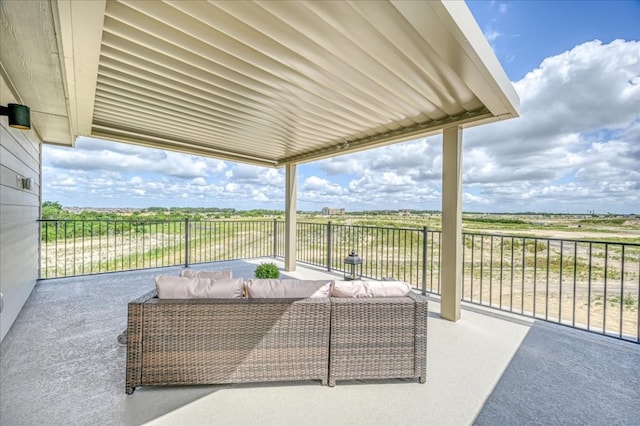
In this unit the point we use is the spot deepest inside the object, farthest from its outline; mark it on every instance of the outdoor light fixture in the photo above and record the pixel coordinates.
(353, 267)
(19, 116)
(26, 183)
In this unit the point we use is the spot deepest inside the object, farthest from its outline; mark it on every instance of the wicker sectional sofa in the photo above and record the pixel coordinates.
(211, 341)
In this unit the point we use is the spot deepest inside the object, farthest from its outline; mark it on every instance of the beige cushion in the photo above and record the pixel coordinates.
(370, 289)
(170, 287)
(214, 275)
(287, 289)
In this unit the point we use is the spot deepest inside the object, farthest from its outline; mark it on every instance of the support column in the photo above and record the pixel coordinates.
(290, 244)
(451, 261)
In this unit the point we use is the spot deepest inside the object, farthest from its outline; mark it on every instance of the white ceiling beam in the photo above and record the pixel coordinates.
(466, 49)
(80, 28)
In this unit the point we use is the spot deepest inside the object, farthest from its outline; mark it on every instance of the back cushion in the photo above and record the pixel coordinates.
(214, 275)
(370, 289)
(170, 287)
(287, 289)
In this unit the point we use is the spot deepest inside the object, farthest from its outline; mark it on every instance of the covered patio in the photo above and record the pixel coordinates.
(60, 364)
(273, 84)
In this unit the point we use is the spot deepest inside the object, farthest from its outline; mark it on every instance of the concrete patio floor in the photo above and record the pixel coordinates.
(60, 365)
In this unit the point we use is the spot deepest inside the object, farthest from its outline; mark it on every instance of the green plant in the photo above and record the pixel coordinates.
(267, 270)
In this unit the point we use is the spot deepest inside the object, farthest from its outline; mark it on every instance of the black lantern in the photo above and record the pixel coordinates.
(352, 267)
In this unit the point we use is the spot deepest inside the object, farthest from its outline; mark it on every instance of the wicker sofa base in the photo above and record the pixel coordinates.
(214, 341)
(209, 341)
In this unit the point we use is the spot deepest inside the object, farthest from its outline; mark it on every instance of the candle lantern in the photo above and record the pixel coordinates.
(352, 267)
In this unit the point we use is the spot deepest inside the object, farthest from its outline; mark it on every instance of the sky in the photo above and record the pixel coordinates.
(575, 148)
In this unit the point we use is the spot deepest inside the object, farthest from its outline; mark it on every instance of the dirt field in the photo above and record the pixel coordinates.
(633, 235)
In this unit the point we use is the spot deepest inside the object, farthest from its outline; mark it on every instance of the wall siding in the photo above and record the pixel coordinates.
(20, 156)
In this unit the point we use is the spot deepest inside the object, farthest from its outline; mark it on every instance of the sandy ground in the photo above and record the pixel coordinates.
(633, 235)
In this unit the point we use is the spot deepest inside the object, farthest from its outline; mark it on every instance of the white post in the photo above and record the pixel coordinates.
(451, 261)
(290, 218)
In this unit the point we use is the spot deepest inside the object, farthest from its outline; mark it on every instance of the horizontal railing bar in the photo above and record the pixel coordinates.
(118, 220)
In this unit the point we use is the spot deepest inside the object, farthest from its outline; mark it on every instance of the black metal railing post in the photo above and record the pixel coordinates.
(275, 237)
(424, 260)
(186, 242)
(329, 240)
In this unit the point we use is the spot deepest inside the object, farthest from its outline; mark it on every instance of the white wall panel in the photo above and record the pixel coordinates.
(19, 212)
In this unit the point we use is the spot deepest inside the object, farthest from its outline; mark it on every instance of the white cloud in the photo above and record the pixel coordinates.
(420, 159)
(475, 199)
(579, 121)
(259, 196)
(343, 165)
(96, 155)
(492, 35)
(244, 173)
(314, 183)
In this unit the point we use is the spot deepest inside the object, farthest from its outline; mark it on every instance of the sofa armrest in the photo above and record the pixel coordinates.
(422, 305)
(145, 297)
(134, 340)
(378, 338)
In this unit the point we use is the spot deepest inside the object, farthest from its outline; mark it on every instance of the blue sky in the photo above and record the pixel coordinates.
(575, 148)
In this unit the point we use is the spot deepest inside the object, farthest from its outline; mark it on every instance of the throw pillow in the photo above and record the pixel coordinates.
(287, 289)
(214, 275)
(170, 287)
(370, 289)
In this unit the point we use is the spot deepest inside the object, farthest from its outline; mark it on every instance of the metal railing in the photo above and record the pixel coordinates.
(406, 254)
(83, 247)
(583, 284)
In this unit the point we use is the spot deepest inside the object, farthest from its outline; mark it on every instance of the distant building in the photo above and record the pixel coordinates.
(327, 211)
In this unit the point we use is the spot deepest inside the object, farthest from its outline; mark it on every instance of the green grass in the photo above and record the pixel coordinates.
(629, 302)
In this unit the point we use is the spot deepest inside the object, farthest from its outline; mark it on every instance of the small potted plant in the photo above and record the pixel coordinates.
(267, 270)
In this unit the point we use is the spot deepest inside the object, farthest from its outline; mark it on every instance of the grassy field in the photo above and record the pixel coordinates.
(570, 227)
